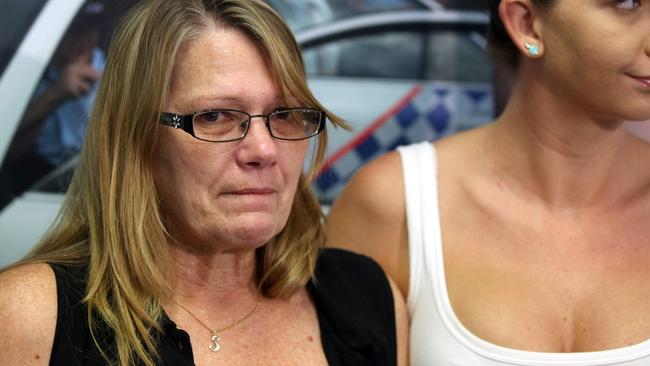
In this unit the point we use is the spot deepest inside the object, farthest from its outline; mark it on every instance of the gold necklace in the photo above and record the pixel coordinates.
(215, 346)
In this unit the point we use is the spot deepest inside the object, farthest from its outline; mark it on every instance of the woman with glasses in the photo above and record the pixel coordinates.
(189, 235)
(526, 241)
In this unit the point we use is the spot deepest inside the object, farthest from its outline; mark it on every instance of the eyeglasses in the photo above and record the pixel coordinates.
(223, 125)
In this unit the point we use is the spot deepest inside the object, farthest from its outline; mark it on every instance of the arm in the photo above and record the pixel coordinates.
(28, 312)
(76, 80)
(369, 217)
(401, 325)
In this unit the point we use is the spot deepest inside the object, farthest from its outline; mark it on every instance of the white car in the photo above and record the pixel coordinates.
(398, 71)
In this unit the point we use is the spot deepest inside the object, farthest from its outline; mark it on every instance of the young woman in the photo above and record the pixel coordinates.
(526, 241)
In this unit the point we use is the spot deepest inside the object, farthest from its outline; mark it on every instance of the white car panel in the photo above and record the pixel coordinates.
(343, 98)
(23, 222)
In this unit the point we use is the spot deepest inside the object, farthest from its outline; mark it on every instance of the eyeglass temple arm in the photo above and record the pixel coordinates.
(176, 120)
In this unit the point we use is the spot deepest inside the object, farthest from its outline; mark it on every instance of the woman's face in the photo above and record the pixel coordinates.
(227, 195)
(597, 53)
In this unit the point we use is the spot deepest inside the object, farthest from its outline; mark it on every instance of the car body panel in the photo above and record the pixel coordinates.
(23, 222)
(424, 112)
(393, 110)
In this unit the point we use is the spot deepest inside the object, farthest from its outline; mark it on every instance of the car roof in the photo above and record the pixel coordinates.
(407, 19)
(307, 14)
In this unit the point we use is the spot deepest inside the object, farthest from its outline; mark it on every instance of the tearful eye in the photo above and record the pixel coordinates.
(628, 4)
(210, 116)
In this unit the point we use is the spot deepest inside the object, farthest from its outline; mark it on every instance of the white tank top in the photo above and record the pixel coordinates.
(437, 337)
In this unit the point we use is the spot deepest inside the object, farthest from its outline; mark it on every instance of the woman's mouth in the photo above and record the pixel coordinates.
(644, 80)
(252, 191)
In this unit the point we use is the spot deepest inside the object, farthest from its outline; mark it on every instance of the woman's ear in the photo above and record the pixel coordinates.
(521, 19)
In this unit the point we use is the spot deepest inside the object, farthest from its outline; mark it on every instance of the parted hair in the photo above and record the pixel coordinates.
(111, 217)
(500, 45)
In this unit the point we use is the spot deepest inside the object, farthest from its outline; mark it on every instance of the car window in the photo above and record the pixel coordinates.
(43, 152)
(451, 55)
(302, 14)
(463, 4)
(348, 8)
(386, 55)
(455, 55)
(16, 17)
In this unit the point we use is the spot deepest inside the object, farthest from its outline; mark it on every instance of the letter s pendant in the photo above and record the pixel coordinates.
(215, 346)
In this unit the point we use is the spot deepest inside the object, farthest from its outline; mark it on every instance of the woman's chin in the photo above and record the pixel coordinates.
(253, 234)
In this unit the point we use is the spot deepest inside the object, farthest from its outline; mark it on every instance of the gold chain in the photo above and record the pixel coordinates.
(215, 346)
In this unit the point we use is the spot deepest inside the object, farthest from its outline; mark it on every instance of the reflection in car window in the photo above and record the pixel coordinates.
(53, 127)
(42, 155)
(16, 17)
(395, 55)
(453, 56)
(301, 14)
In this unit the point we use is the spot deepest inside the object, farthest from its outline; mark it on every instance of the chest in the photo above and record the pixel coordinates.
(279, 333)
(536, 282)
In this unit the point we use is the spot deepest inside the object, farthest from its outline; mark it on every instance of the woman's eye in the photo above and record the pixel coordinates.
(628, 4)
(210, 116)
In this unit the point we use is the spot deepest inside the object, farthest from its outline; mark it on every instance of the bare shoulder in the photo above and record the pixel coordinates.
(376, 189)
(28, 312)
(461, 146)
(369, 217)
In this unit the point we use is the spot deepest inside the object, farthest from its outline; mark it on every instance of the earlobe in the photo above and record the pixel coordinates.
(533, 49)
(521, 21)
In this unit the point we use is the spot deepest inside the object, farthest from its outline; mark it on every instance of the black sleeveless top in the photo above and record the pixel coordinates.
(353, 301)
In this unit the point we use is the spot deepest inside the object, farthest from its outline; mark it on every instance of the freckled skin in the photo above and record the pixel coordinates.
(198, 180)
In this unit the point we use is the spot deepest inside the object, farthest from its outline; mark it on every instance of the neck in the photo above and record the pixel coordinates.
(558, 154)
(224, 278)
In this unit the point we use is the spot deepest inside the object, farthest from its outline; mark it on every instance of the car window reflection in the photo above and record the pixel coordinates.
(43, 152)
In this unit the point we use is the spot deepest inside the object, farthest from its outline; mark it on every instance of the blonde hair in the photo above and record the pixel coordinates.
(111, 218)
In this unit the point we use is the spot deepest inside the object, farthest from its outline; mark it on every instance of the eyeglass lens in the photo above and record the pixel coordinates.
(225, 125)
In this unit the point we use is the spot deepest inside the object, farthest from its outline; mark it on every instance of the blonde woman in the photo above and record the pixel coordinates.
(526, 241)
(189, 235)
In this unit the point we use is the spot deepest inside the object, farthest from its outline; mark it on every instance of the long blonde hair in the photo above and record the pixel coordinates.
(111, 219)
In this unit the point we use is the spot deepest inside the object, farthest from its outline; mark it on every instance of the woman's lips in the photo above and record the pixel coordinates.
(251, 199)
(252, 191)
(644, 80)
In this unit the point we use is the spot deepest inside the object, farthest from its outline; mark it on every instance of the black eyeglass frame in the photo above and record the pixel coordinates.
(185, 122)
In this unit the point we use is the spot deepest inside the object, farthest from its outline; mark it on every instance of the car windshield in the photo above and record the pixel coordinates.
(462, 4)
(301, 14)
(16, 17)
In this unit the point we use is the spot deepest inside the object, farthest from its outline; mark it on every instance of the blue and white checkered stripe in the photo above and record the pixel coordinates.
(434, 110)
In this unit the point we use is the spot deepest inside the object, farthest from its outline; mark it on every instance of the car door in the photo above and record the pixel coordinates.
(31, 193)
(396, 82)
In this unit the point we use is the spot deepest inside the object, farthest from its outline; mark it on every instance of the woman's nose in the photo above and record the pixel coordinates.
(258, 148)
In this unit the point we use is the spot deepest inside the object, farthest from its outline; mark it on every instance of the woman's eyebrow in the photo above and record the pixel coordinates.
(202, 102)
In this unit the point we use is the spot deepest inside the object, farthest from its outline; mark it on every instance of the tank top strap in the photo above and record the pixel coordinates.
(419, 167)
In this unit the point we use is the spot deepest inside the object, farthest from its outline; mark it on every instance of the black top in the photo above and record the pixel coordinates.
(353, 301)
